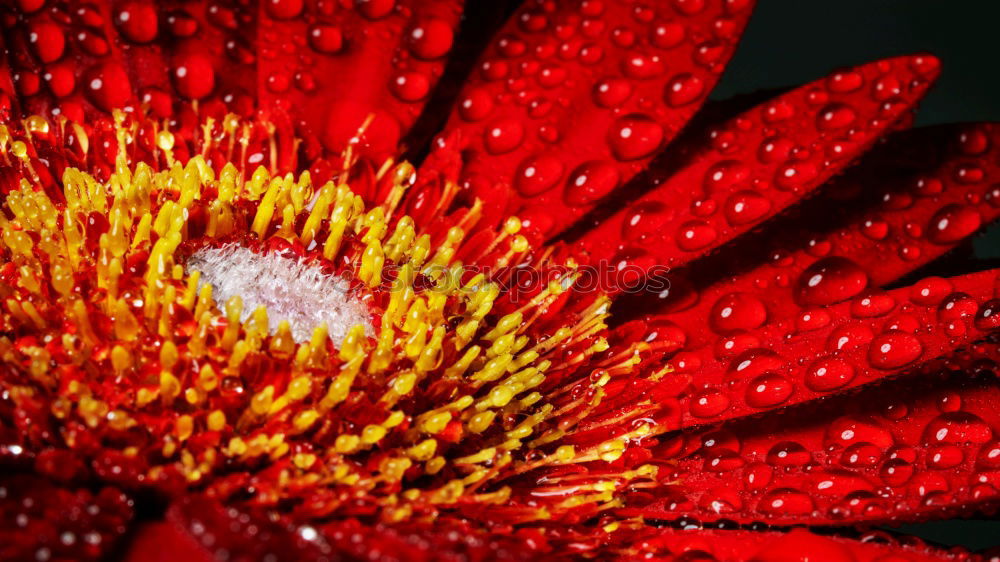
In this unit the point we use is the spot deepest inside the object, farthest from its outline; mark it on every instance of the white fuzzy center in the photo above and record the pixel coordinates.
(291, 289)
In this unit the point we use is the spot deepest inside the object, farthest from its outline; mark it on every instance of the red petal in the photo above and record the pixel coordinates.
(761, 366)
(913, 449)
(574, 99)
(908, 203)
(378, 60)
(200, 529)
(798, 545)
(41, 521)
(760, 163)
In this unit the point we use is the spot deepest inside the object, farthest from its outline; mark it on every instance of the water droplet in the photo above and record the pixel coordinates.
(193, 75)
(709, 403)
(777, 111)
(953, 223)
(957, 428)
(589, 182)
(48, 41)
(974, 142)
(538, 174)
(667, 35)
(284, 9)
(745, 207)
(849, 336)
(683, 89)
(503, 136)
(430, 39)
(775, 149)
(634, 136)
(737, 311)
(643, 66)
(795, 176)
(956, 307)
(835, 116)
(411, 86)
(786, 501)
(107, 86)
(768, 390)
(695, 235)
(829, 374)
(894, 349)
(989, 456)
(945, 457)
(181, 24)
(137, 21)
(61, 80)
(375, 9)
(612, 92)
(873, 305)
(988, 315)
(896, 472)
(844, 82)
(644, 219)
(326, 39)
(861, 455)
(830, 280)
(725, 176)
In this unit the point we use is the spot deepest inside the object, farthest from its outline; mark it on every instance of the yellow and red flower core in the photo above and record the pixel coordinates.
(441, 390)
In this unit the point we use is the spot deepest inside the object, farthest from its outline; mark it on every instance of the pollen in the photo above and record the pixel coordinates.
(289, 288)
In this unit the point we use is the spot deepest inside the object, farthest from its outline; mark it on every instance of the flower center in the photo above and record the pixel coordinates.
(291, 289)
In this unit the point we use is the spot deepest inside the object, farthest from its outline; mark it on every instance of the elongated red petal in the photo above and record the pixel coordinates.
(910, 450)
(797, 545)
(914, 199)
(200, 529)
(573, 99)
(760, 163)
(761, 366)
(372, 65)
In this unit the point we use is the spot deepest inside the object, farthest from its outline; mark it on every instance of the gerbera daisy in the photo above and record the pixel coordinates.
(251, 311)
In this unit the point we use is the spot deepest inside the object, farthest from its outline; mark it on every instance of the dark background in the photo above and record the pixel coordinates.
(789, 42)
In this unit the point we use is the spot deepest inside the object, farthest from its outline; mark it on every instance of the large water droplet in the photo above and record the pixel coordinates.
(768, 390)
(695, 235)
(284, 9)
(47, 40)
(644, 219)
(745, 207)
(137, 21)
(634, 136)
(589, 182)
(193, 75)
(737, 311)
(503, 136)
(326, 39)
(830, 280)
(894, 349)
(829, 374)
(538, 174)
(612, 92)
(107, 86)
(952, 223)
(684, 89)
(430, 38)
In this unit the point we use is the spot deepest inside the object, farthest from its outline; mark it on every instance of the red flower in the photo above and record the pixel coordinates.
(237, 325)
